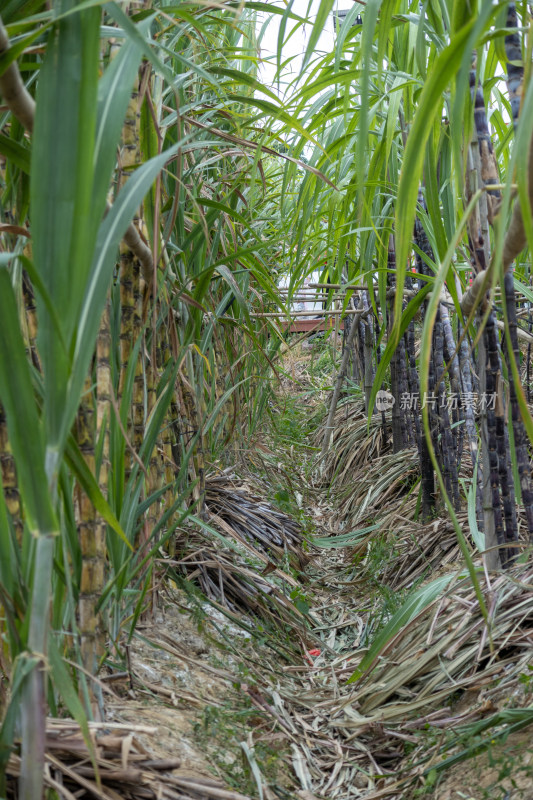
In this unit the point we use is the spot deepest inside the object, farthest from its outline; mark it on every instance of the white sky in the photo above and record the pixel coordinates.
(297, 43)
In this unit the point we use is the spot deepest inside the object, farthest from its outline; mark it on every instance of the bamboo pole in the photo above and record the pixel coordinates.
(310, 314)
(344, 286)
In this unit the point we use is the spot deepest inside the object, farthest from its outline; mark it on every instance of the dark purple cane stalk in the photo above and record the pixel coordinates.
(528, 362)
(402, 391)
(426, 465)
(368, 365)
(397, 433)
(489, 166)
(468, 388)
(515, 71)
(519, 433)
(383, 415)
(493, 368)
(452, 360)
(446, 442)
(507, 492)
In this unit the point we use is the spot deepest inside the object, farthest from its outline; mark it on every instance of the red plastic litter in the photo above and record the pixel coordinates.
(314, 652)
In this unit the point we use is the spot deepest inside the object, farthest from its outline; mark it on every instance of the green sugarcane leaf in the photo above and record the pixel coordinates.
(150, 147)
(324, 10)
(65, 687)
(111, 231)
(243, 78)
(416, 604)
(425, 357)
(411, 309)
(41, 289)
(146, 584)
(17, 9)
(131, 30)
(114, 94)
(267, 8)
(23, 424)
(16, 153)
(88, 482)
(476, 534)
(430, 104)
(64, 222)
(232, 283)
(16, 49)
(367, 38)
(350, 539)
(8, 557)
(22, 669)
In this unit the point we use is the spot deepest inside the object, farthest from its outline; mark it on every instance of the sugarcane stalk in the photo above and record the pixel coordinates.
(328, 430)
(492, 556)
(519, 432)
(491, 387)
(358, 371)
(466, 370)
(127, 310)
(402, 391)
(103, 408)
(434, 373)
(33, 701)
(397, 434)
(9, 476)
(369, 368)
(92, 566)
(479, 243)
(130, 294)
(515, 237)
(31, 320)
(427, 475)
(360, 343)
(12, 89)
(528, 361)
(488, 166)
(409, 418)
(446, 443)
(515, 68)
(451, 360)
(22, 106)
(192, 435)
(412, 381)
(155, 471)
(507, 493)
(137, 400)
(383, 415)
(506, 476)
(166, 464)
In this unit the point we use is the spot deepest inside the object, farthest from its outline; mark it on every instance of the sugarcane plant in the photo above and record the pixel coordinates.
(119, 371)
(437, 173)
(154, 192)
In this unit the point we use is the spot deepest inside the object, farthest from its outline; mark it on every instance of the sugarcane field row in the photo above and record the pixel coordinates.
(266, 400)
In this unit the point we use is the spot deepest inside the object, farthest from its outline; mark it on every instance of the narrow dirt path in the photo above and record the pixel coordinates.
(271, 711)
